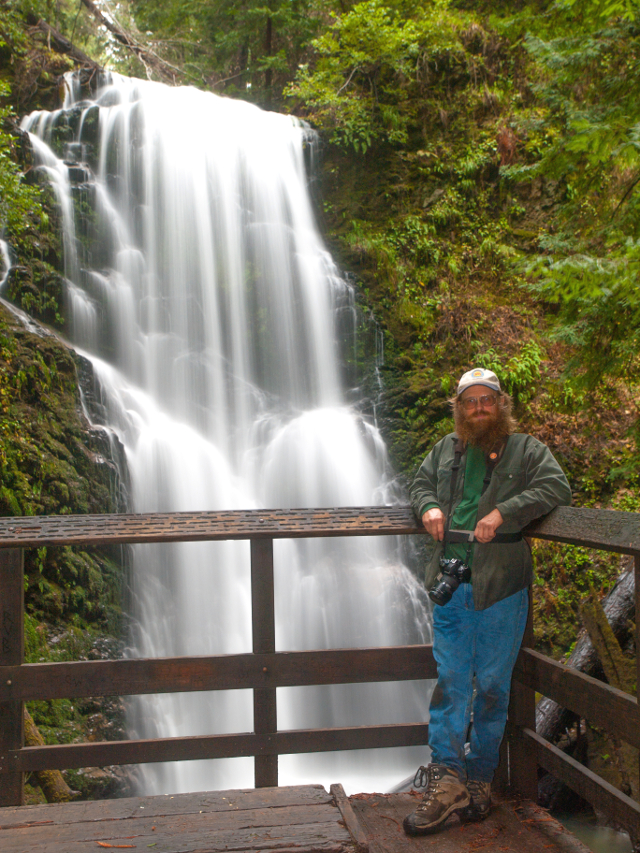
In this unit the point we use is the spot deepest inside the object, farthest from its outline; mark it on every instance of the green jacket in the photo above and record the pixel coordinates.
(526, 483)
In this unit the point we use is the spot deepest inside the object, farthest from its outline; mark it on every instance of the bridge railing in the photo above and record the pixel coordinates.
(264, 670)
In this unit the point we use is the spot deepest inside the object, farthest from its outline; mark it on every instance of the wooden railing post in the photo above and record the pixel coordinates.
(263, 623)
(501, 777)
(636, 569)
(11, 654)
(523, 766)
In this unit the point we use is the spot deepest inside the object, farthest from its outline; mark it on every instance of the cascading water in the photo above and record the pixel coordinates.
(199, 287)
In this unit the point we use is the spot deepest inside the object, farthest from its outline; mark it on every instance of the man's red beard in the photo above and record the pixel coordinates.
(484, 428)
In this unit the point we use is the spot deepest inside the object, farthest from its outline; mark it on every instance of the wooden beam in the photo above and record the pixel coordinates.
(350, 819)
(523, 771)
(598, 702)
(34, 531)
(603, 529)
(217, 746)
(636, 574)
(603, 797)
(74, 679)
(263, 625)
(11, 656)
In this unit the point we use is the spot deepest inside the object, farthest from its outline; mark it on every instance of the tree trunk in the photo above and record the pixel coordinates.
(61, 44)
(268, 49)
(54, 788)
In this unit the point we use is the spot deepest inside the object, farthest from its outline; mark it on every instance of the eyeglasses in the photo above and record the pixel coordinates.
(487, 401)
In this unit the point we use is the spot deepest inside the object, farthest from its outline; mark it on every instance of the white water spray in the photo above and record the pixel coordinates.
(214, 317)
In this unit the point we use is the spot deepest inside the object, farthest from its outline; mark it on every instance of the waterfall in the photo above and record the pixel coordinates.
(226, 345)
(5, 256)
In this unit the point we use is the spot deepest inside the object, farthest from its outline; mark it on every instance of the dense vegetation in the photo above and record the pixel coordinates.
(480, 178)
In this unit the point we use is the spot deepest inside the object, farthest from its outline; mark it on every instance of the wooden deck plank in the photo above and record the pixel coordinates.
(141, 822)
(165, 805)
(192, 837)
(301, 818)
(214, 828)
(296, 819)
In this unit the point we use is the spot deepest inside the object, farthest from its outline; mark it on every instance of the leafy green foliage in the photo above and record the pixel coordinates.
(590, 261)
(564, 575)
(519, 375)
(249, 49)
(20, 206)
(602, 10)
(370, 66)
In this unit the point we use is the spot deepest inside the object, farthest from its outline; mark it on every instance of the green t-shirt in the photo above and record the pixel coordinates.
(466, 513)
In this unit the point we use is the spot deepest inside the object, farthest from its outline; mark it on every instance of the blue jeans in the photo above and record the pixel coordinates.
(467, 643)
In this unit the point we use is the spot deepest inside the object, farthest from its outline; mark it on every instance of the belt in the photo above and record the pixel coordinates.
(467, 536)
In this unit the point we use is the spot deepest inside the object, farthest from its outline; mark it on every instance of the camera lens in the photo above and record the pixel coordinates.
(441, 592)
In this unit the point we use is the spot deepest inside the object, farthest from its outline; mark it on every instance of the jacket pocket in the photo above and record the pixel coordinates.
(508, 482)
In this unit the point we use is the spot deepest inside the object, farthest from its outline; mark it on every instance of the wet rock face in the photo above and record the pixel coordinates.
(53, 461)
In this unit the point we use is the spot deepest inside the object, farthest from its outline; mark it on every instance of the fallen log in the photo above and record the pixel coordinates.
(620, 672)
(562, 727)
(61, 44)
(619, 606)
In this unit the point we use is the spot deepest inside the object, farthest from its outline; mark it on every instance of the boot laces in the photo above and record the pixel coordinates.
(433, 785)
(421, 778)
(476, 789)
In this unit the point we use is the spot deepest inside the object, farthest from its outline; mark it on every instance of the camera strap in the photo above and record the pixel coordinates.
(458, 450)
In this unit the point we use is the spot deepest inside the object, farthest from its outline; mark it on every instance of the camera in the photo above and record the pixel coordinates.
(453, 572)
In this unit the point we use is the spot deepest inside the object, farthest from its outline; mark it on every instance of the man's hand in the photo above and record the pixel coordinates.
(486, 527)
(433, 520)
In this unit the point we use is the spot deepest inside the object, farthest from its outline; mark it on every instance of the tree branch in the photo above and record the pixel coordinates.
(149, 59)
(61, 44)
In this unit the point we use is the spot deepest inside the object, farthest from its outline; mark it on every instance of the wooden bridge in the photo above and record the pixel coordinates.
(306, 817)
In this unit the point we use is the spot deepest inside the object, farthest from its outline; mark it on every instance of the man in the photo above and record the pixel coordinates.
(488, 479)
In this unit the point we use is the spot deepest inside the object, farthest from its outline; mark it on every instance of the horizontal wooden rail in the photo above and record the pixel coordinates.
(596, 701)
(608, 530)
(602, 529)
(216, 746)
(604, 797)
(34, 531)
(222, 672)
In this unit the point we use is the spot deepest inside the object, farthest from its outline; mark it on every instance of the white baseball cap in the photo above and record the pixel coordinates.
(478, 376)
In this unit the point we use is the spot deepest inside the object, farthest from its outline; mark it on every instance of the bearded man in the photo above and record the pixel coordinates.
(488, 479)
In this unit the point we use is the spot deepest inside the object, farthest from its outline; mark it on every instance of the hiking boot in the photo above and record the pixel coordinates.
(445, 795)
(480, 805)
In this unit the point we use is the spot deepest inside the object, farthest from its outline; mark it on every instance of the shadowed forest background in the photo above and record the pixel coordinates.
(478, 179)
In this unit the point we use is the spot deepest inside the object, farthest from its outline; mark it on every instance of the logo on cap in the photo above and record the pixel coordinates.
(478, 373)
